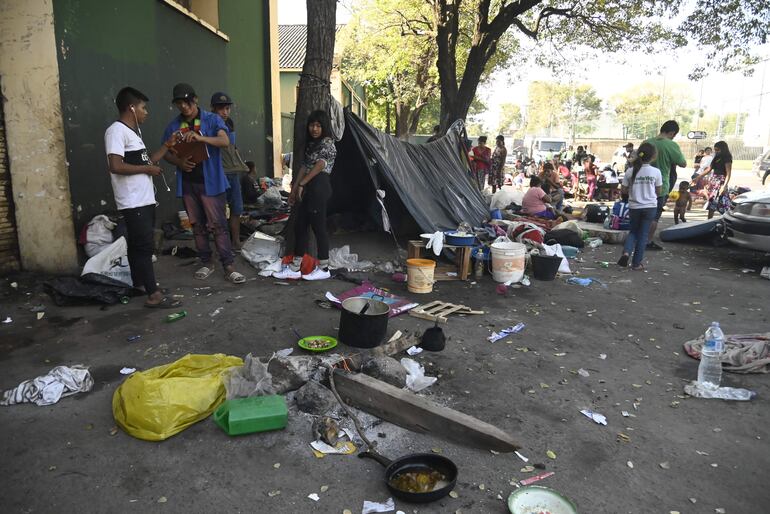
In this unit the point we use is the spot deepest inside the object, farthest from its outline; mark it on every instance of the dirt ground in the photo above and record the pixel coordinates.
(63, 458)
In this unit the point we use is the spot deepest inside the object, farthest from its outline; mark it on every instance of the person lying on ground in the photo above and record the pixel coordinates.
(131, 171)
(536, 202)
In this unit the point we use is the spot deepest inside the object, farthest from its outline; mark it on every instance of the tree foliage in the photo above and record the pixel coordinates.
(642, 109)
(730, 30)
(561, 109)
(380, 50)
(511, 120)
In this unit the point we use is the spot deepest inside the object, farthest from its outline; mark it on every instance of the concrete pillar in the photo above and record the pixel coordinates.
(29, 73)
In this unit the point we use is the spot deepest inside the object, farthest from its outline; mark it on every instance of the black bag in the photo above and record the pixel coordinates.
(564, 237)
(596, 213)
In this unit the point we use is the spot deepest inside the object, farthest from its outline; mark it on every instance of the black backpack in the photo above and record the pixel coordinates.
(596, 213)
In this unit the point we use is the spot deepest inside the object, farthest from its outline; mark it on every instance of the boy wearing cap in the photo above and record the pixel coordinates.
(234, 167)
(131, 171)
(202, 185)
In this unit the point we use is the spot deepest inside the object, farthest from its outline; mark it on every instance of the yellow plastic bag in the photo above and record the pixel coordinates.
(160, 402)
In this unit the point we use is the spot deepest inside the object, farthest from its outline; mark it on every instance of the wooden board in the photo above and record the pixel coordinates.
(439, 311)
(418, 414)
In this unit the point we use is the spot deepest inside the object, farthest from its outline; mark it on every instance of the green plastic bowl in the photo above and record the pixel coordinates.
(535, 499)
(302, 343)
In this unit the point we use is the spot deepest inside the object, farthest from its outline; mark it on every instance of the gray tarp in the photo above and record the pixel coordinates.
(431, 181)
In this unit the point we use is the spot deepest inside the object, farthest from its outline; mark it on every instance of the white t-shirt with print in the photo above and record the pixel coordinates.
(130, 190)
(641, 193)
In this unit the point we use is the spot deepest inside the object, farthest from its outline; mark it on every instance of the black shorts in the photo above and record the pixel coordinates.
(661, 204)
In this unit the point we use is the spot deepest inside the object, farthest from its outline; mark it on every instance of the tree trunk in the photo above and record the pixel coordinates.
(314, 92)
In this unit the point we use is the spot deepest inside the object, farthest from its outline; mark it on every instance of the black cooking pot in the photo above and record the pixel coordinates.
(363, 322)
(417, 462)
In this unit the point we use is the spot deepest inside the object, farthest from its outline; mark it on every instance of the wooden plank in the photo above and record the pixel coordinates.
(418, 414)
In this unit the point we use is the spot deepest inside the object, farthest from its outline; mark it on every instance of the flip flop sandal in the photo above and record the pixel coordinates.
(203, 273)
(236, 278)
(166, 303)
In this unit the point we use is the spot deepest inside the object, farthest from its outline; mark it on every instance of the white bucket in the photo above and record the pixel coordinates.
(508, 261)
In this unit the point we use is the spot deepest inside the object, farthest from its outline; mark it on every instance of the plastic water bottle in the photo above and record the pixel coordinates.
(710, 368)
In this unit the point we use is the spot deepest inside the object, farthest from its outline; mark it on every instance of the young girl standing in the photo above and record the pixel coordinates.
(310, 196)
(644, 184)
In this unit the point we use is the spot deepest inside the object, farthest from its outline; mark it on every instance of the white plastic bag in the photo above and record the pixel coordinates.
(415, 378)
(261, 248)
(111, 262)
(436, 242)
(98, 234)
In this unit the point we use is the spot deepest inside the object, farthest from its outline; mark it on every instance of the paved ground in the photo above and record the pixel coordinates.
(63, 458)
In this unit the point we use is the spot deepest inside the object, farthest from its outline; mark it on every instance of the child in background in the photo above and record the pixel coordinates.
(619, 219)
(683, 203)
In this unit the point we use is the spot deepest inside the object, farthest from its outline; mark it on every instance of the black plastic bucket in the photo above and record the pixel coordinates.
(365, 330)
(545, 267)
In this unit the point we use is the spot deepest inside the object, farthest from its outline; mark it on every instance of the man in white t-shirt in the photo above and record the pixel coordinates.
(131, 171)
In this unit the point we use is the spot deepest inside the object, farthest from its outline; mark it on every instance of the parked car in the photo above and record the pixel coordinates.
(762, 166)
(747, 224)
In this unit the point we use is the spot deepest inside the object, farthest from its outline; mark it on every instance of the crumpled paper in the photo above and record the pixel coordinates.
(371, 507)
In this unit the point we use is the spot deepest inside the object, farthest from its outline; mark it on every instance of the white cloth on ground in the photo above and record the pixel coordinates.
(48, 389)
(555, 249)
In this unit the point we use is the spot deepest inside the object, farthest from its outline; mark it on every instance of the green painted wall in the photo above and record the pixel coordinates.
(289, 81)
(104, 45)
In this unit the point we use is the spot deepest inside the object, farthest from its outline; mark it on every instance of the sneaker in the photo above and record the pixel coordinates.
(652, 245)
(287, 273)
(317, 274)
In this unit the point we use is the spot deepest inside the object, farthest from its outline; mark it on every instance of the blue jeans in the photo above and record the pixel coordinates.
(640, 220)
(234, 196)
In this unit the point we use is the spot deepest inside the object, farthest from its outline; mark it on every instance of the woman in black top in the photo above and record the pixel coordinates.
(720, 169)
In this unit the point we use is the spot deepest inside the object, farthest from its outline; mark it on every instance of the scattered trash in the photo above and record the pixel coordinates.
(370, 507)
(323, 304)
(496, 336)
(583, 373)
(320, 448)
(314, 497)
(630, 464)
(522, 457)
(284, 353)
(593, 242)
(40, 315)
(603, 356)
(625, 413)
(48, 389)
(551, 454)
(584, 282)
(162, 499)
(527, 469)
(176, 316)
(7, 320)
(131, 339)
(342, 258)
(665, 465)
(415, 378)
(15, 285)
(701, 390)
(536, 478)
(216, 312)
(274, 493)
(127, 371)
(413, 350)
(453, 494)
(601, 419)
(623, 438)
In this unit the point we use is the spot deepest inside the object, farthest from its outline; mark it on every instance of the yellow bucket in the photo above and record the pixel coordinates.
(419, 274)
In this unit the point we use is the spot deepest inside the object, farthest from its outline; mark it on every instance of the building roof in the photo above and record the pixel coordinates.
(292, 44)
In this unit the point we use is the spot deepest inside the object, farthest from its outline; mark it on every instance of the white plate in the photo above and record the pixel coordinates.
(535, 499)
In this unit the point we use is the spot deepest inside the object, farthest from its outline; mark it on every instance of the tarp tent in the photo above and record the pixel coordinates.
(430, 182)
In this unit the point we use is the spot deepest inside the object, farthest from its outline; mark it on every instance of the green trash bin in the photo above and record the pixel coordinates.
(249, 415)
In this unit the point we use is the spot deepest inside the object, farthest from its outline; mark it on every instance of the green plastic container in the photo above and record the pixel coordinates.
(250, 415)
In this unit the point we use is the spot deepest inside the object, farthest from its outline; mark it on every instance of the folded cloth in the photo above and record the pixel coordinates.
(48, 389)
(744, 353)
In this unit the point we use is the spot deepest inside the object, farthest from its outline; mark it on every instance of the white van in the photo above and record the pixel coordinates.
(544, 148)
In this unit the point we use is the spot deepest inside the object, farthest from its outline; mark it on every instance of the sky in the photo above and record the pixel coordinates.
(718, 93)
